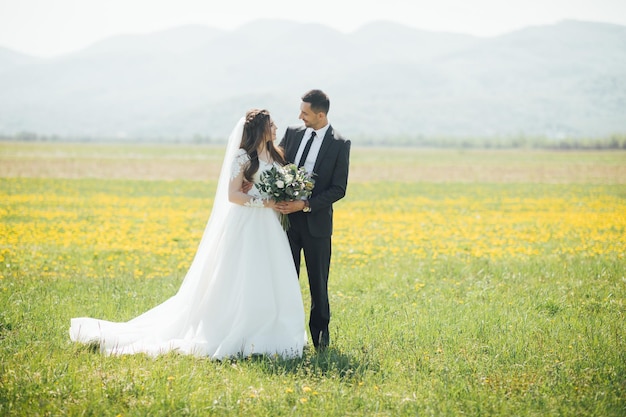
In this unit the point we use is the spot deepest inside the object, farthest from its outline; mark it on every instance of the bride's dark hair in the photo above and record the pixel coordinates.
(256, 129)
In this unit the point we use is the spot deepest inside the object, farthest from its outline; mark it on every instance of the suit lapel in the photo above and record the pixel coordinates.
(294, 150)
(328, 138)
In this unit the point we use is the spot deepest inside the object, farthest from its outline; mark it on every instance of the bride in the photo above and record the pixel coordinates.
(240, 296)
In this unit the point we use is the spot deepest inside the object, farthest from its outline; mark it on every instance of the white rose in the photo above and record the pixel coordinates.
(280, 184)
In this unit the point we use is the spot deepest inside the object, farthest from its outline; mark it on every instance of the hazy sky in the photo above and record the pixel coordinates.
(51, 27)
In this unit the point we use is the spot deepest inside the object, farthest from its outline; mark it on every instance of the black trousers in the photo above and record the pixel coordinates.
(317, 252)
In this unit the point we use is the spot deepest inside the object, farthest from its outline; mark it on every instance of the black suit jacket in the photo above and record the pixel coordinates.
(331, 176)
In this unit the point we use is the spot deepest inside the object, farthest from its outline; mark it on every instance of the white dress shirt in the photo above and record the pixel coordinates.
(309, 164)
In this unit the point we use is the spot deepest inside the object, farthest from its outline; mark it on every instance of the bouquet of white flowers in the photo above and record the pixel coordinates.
(286, 183)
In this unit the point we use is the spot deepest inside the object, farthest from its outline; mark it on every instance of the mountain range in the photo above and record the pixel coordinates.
(384, 79)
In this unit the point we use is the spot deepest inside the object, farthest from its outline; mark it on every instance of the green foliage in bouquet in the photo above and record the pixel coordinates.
(286, 183)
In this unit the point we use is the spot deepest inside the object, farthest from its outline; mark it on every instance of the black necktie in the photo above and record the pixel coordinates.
(307, 148)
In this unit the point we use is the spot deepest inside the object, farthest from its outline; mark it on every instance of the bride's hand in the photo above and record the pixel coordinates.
(269, 204)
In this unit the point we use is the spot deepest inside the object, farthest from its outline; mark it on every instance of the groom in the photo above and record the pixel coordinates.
(323, 151)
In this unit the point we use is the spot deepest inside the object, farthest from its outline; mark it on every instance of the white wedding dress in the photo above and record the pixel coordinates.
(240, 296)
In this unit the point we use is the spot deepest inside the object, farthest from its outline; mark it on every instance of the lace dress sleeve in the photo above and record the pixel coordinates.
(238, 164)
(240, 160)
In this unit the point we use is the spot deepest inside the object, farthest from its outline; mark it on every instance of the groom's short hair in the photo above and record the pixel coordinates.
(318, 100)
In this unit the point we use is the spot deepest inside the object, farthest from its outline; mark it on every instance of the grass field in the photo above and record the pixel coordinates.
(463, 283)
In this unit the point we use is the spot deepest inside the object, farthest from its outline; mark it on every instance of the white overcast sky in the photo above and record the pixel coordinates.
(52, 27)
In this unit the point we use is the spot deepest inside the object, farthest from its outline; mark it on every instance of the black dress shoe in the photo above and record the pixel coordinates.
(323, 341)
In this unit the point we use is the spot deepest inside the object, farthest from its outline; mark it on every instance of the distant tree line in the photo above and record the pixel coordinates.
(36, 137)
(615, 141)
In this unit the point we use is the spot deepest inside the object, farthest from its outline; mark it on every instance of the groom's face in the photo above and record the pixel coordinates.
(308, 116)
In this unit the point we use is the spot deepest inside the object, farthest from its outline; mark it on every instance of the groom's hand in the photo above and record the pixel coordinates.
(288, 207)
(246, 186)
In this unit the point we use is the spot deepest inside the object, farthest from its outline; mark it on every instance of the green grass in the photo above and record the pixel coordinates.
(522, 335)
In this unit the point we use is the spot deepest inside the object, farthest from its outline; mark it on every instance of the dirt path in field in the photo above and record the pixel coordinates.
(115, 169)
(366, 165)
